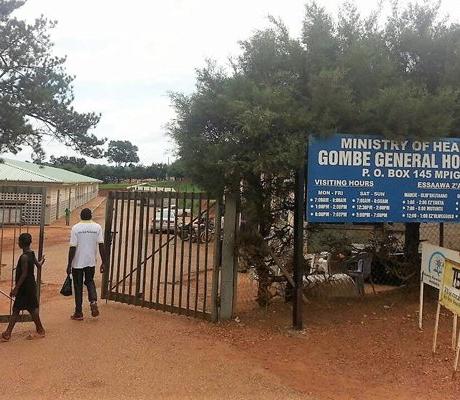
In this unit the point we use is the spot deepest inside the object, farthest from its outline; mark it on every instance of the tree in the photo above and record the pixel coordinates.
(157, 171)
(246, 130)
(110, 173)
(235, 126)
(399, 79)
(177, 170)
(122, 152)
(395, 79)
(36, 93)
(65, 160)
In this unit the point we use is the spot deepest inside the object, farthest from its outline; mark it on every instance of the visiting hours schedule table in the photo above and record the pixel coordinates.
(336, 204)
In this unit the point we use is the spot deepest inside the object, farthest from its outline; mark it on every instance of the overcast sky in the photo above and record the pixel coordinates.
(127, 55)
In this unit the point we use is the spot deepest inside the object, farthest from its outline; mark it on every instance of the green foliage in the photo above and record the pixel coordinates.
(395, 78)
(111, 174)
(398, 78)
(36, 93)
(245, 129)
(238, 126)
(65, 160)
(333, 241)
(177, 169)
(122, 152)
(318, 38)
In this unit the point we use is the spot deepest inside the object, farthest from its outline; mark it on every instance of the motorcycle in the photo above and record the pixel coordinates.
(202, 231)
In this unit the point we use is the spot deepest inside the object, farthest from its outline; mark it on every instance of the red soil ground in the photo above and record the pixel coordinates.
(351, 349)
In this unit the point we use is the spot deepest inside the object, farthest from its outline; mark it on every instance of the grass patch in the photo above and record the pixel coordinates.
(114, 186)
(179, 187)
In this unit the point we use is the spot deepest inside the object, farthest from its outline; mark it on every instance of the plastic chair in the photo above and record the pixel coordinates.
(359, 268)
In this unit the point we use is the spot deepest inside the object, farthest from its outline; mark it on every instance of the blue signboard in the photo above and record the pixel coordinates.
(353, 178)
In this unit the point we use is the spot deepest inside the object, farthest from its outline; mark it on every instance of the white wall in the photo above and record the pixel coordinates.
(70, 196)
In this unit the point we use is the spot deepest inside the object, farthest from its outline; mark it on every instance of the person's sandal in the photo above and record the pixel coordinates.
(77, 317)
(4, 337)
(94, 310)
(34, 336)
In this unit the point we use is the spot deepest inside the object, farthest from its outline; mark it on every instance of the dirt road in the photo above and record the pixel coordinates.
(351, 349)
(128, 353)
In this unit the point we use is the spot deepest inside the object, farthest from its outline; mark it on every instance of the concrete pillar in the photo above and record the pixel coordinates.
(229, 267)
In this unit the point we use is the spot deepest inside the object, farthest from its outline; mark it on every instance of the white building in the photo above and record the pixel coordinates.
(20, 180)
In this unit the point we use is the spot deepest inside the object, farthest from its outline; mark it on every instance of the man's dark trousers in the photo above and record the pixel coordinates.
(86, 276)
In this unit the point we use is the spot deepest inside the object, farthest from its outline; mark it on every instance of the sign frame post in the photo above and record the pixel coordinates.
(454, 332)
(457, 353)
(297, 309)
(420, 311)
(436, 327)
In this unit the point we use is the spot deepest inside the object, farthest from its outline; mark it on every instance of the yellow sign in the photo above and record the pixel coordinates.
(450, 289)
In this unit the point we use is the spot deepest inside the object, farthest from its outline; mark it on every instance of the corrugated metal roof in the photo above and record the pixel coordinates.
(20, 171)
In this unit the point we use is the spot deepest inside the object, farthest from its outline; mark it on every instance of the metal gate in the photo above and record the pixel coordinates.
(22, 209)
(164, 251)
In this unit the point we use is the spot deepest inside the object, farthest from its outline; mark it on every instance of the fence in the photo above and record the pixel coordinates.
(332, 254)
(446, 234)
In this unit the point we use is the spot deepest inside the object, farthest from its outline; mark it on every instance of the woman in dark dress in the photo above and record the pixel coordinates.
(25, 290)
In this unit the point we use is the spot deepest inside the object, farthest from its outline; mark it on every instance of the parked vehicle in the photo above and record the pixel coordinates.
(202, 231)
(184, 231)
(207, 230)
(161, 222)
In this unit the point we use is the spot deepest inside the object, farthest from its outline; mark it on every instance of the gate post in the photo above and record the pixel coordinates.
(41, 239)
(228, 274)
(107, 244)
(217, 263)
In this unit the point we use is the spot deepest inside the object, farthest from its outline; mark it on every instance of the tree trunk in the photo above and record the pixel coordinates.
(256, 217)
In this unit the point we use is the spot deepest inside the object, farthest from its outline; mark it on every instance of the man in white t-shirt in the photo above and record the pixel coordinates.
(85, 239)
